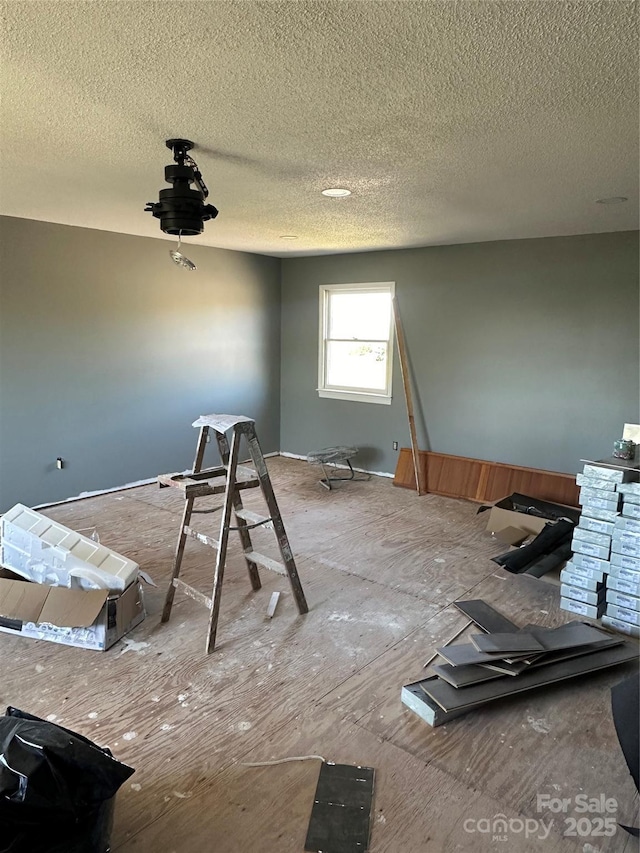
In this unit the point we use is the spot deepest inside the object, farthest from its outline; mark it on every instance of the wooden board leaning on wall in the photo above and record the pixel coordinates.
(478, 480)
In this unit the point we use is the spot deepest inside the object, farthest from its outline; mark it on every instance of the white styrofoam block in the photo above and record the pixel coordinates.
(45, 551)
(623, 613)
(623, 599)
(596, 512)
(596, 525)
(621, 626)
(603, 539)
(585, 561)
(625, 561)
(631, 510)
(593, 611)
(579, 546)
(595, 483)
(578, 593)
(583, 581)
(631, 587)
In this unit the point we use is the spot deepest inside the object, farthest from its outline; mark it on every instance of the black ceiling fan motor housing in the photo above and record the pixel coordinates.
(181, 208)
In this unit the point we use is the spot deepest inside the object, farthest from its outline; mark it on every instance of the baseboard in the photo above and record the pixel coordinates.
(99, 492)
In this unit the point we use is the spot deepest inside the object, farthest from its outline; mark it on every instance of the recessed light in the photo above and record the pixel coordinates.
(288, 236)
(336, 192)
(614, 199)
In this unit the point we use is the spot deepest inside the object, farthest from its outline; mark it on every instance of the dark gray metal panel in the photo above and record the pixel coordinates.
(451, 699)
(492, 644)
(341, 815)
(486, 617)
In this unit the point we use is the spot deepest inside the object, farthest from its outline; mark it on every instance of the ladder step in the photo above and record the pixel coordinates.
(206, 540)
(255, 519)
(192, 593)
(244, 473)
(265, 562)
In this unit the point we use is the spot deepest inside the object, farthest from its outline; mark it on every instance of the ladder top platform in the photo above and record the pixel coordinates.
(221, 423)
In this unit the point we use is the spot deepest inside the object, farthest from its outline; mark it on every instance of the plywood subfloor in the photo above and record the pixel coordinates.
(380, 568)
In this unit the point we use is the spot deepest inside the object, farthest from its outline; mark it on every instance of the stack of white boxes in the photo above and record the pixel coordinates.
(597, 541)
(584, 577)
(623, 582)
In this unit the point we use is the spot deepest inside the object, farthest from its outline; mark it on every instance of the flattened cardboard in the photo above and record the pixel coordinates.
(72, 608)
(20, 600)
(66, 608)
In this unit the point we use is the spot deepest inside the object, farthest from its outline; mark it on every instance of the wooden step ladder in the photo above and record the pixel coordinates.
(229, 479)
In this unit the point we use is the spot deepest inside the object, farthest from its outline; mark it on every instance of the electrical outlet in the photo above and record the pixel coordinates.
(60, 462)
(395, 445)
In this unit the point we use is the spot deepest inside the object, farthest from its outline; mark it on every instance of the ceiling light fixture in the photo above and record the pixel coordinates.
(336, 192)
(181, 209)
(288, 236)
(614, 199)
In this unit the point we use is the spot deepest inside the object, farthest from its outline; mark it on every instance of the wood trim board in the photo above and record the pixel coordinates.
(482, 481)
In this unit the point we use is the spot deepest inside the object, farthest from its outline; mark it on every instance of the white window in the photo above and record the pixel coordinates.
(356, 341)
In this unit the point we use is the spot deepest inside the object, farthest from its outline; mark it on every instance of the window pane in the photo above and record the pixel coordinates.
(357, 365)
(365, 316)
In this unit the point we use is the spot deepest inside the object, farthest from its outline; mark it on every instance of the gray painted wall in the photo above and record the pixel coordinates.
(108, 353)
(524, 352)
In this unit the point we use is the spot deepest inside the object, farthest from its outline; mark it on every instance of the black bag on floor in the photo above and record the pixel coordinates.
(57, 788)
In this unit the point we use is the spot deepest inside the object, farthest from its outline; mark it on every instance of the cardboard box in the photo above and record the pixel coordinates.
(593, 611)
(631, 587)
(89, 619)
(597, 498)
(524, 514)
(623, 599)
(577, 593)
(603, 539)
(616, 612)
(621, 626)
(618, 474)
(595, 584)
(632, 575)
(597, 512)
(580, 546)
(593, 483)
(597, 525)
(630, 510)
(585, 561)
(625, 561)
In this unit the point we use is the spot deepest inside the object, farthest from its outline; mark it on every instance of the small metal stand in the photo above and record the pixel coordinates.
(334, 456)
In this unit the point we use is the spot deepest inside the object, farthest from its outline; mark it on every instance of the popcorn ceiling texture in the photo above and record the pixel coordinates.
(450, 121)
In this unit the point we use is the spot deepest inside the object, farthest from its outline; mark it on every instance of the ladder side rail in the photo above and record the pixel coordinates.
(241, 524)
(186, 519)
(274, 511)
(224, 539)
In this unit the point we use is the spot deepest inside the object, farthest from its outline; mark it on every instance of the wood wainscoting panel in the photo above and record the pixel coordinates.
(480, 480)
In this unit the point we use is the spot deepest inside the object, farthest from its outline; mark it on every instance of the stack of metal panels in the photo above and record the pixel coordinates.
(507, 660)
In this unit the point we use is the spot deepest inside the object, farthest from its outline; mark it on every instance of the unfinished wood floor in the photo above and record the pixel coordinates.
(380, 569)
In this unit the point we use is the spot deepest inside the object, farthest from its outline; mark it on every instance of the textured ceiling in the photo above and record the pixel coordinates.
(450, 121)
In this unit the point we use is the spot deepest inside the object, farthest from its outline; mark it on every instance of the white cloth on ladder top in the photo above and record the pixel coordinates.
(221, 423)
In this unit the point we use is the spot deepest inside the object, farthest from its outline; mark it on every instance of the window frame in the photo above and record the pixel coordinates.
(359, 395)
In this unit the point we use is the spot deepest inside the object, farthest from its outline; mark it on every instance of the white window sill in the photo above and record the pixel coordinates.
(355, 396)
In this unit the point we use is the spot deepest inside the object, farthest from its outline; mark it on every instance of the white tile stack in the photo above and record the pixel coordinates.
(623, 582)
(603, 545)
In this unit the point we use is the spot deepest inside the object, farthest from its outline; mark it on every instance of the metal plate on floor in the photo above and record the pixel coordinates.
(341, 815)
